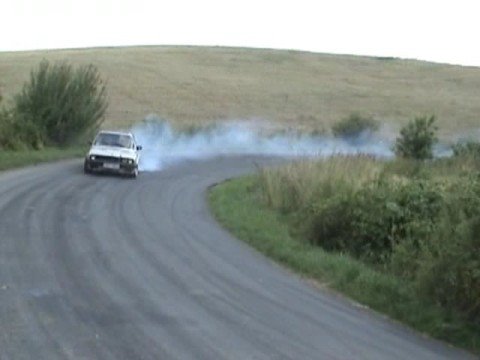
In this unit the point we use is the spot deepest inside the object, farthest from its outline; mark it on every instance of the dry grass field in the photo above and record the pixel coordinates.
(189, 85)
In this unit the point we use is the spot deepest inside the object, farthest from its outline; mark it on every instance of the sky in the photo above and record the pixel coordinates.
(439, 31)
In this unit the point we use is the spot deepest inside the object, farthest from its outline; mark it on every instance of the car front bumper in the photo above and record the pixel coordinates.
(110, 166)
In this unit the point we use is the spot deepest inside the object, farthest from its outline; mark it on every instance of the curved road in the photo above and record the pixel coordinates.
(99, 267)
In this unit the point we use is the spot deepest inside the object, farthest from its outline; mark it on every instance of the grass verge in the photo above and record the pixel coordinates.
(237, 205)
(14, 159)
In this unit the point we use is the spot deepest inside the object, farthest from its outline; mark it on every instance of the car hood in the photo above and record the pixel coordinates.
(112, 151)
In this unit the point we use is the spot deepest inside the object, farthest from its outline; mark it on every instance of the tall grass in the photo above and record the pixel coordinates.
(294, 186)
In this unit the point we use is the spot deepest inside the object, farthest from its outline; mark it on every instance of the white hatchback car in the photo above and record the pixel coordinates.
(113, 152)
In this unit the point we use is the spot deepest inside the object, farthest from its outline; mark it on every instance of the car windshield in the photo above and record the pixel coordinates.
(109, 139)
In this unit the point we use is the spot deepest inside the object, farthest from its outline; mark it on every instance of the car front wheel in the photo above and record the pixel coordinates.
(86, 168)
(134, 173)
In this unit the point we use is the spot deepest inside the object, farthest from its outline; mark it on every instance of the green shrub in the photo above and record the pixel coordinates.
(417, 138)
(17, 133)
(449, 267)
(331, 225)
(354, 125)
(62, 103)
(422, 229)
(4, 129)
(371, 222)
(469, 148)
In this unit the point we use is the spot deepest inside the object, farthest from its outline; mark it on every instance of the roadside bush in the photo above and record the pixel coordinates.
(16, 134)
(449, 266)
(4, 129)
(62, 103)
(458, 198)
(354, 125)
(467, 149)
(421, 229)
(371, 222)
(416, 139)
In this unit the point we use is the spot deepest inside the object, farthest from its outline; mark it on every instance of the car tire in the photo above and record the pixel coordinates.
(86, 168)
(134, 174)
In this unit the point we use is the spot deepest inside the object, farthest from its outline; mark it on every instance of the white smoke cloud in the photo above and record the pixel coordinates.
(162, 145)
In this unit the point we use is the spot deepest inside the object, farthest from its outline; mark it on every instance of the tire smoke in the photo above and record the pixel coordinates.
(163, 145)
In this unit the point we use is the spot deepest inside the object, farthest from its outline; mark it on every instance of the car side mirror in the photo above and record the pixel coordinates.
(139, 147)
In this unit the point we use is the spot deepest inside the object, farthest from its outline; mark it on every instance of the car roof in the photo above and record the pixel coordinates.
(115, 132)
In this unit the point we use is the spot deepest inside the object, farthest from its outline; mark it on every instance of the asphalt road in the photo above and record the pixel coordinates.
(100, 267)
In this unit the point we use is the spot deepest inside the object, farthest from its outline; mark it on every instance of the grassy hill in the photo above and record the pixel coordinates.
(299, 89)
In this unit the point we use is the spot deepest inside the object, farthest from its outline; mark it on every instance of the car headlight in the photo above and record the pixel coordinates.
(92, 157)
(127, 161)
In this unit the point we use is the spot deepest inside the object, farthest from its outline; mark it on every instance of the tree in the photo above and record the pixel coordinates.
(417, 138)
(61, 102)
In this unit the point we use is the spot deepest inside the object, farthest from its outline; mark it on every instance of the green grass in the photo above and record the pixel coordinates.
(15, 159)
(238, 207)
